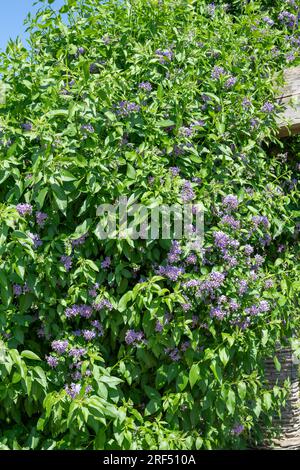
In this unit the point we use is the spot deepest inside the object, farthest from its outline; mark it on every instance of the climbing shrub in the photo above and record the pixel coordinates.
(146, 343)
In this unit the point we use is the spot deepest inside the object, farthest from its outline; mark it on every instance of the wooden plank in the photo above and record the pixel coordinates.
(289, 122)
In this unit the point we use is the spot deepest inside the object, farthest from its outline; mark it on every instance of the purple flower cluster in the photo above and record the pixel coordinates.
(87, 128)
(106, 263)
(134, 337)
(145, 86)
(268, 20)
(173, 354)
(24, 209)
(217, 72)
(171, 272)
(104, 303)
(287, 18)
(230, 82)
(84, 311)
(230, 202)
(175, 252)
(76, 353)
(126, 107)
(187, 192)
(67, 262)
(36, 239)
(89, 335)
(26, 126)
(93, 291)
(174, 171)
(217, 312)
(79, 241)
(60, 346)
(73, 390)
(52, 361)
(243, 287)
(260, 220)
(231, 221)
(237, 429)
(41, 218)
(17, 289)
(267, 107)
(164, 56)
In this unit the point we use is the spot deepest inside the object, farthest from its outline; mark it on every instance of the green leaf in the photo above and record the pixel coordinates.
(242, 389)
(165, 123)
(30, 355)
(194, 374)
(230, 402)
(224, 356)
(124, 301)
(216, 370)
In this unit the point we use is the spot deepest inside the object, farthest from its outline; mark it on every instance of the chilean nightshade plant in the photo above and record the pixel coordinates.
(144, 344)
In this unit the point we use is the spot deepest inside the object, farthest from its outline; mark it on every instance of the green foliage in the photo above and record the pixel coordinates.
(167, 365)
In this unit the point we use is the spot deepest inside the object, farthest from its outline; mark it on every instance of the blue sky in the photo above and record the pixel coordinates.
(13, 13)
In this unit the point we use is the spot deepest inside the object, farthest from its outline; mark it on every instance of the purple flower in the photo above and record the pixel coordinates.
(290, 57)
(260, 220)
(243, 287)
(217, 72)
(126, 107)
(269, 284)
(267, 107)
(77, 352)
(230, 82)
(87, 128)
(187, 193)
(191, 259)
(159, 327)
(96, 324)
(234, 305)
(229, 220)
(164, 56)
(79, 241)
(89, 335)
(217, 312)
(104, 303)
(83, 310)
(268, 20)
(134, 337)
(259, 260)
(246, 103)
(80, 51)
(24, 209)
(60, 346)
(67, 262)
(52, 361)
(171, 272)
(175, 252)
(248, 250)
(263, 306)
(106, 263)
(73, 391)
(237, 429)
(17, 289)
(93, 291)
(253, 123)
(230, 202)
(36, 239)
(26, 126)
(145, 86)
(41, 218)
(221, 239)
(94, 68)
(174, 170)
(174, 354)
